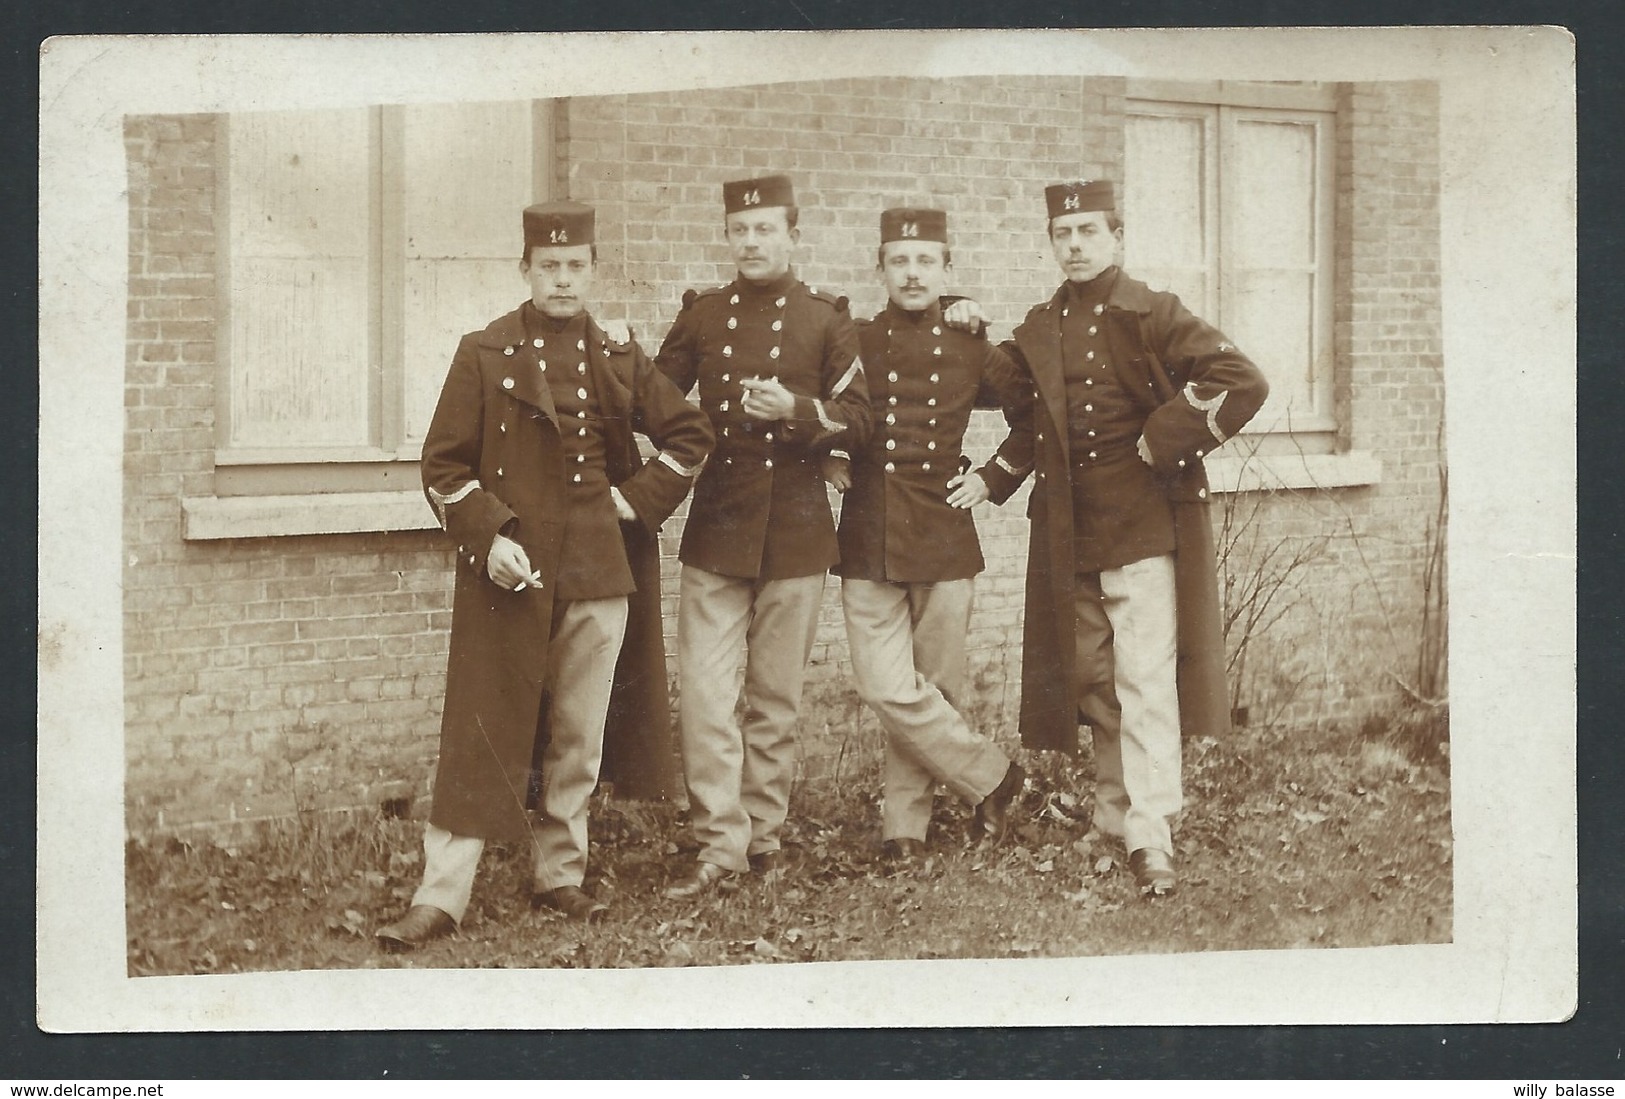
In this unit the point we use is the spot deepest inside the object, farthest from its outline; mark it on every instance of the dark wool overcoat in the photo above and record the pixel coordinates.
(1197, 391)
(493, 456)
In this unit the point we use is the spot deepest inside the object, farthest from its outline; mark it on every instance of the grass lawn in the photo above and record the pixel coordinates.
(1288, 840)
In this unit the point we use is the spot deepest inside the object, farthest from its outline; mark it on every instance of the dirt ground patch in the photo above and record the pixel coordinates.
(1288, 841)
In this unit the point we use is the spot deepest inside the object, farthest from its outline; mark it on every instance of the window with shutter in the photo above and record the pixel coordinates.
(357, 247)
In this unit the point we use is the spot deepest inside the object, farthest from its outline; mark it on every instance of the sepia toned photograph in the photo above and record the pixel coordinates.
(733, 527)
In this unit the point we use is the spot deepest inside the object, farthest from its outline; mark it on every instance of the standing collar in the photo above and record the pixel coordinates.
(779, 285)
(930, 314)
(538, 323)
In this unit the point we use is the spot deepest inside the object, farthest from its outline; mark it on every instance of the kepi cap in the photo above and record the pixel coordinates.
(1079, 197)
(557, 225)
(913, 223)
(748, 194)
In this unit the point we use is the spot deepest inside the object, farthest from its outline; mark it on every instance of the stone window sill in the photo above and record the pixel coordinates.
(207, 518)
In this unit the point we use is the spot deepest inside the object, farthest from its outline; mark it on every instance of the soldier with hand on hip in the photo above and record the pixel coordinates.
(909, 548)
(1122, 629)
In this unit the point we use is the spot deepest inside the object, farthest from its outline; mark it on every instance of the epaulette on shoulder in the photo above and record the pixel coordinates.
(691, 296)
(837, 302)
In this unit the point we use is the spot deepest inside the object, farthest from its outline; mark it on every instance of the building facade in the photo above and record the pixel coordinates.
(298, 281)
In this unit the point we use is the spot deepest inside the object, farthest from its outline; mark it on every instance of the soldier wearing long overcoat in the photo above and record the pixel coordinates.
(556, 675)
(485, 432)
(1122, 629)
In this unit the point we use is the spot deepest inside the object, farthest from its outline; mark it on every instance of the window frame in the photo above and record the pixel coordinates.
(390, 461)
(1222, 106)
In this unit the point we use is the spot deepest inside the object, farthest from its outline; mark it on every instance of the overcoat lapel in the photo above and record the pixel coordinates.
(1040, 342)
(522, 366)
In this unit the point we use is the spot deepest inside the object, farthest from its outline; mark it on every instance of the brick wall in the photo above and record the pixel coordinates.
(1354, 609)
(272, 674)
(264, 675)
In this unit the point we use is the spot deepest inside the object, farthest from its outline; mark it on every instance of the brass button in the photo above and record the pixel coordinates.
(507, 383)
(891, 467)
(733, 322)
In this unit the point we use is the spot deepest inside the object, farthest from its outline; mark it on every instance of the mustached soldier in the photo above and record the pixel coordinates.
(909, 550)
(777, 368)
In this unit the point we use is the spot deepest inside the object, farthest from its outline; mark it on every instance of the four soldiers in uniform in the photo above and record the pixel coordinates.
(1112, 392)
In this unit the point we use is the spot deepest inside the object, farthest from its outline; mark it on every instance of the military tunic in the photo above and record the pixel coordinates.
(924, 380)
(760, 509)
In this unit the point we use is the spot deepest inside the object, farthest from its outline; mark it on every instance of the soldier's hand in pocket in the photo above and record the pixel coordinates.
(837, 472)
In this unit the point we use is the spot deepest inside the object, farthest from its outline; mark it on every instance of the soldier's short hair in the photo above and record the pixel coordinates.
(1114, 222)
(880, 254)
(792, 214)
(525, 259)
